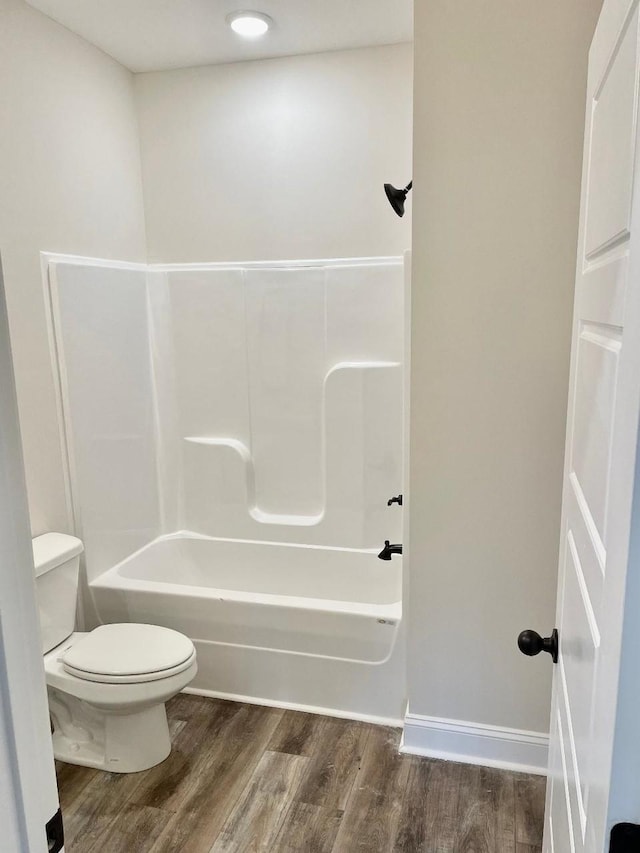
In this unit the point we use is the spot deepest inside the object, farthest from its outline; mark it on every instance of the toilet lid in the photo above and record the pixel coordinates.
(129, 652)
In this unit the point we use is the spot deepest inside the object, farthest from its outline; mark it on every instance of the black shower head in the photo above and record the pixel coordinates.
(397, 197)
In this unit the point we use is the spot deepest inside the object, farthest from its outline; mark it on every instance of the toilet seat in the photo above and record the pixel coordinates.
(128, 653)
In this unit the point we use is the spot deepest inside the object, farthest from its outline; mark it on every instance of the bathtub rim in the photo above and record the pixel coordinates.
(390, 612)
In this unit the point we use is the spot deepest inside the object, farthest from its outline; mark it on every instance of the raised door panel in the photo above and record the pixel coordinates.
(612, 146)
(595, 385)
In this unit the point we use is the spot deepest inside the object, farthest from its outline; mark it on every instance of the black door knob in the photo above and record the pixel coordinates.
(531, 643)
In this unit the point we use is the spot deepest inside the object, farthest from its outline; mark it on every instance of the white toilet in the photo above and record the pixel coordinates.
(107, 688)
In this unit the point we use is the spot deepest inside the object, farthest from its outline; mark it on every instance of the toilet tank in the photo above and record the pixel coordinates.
(56, 558)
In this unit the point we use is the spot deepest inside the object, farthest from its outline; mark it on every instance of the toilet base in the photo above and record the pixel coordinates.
(116, 742)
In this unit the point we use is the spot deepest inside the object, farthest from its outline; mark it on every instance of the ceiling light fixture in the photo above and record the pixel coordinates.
(249, 24)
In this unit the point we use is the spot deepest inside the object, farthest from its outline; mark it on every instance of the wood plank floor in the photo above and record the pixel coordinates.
(246, 778)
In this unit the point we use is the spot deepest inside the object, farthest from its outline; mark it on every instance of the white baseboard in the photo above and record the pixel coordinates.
(471, 743)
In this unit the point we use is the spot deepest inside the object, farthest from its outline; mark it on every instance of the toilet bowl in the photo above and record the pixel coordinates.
(107, 687)
(107, 690)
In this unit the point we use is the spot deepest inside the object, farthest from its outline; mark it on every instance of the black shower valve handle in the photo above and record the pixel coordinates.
(396, 500)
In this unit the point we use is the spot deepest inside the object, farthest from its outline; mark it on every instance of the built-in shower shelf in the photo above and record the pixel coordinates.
(255, 512)
(228, 466)
(233, 443)
(362, 365)
(293, 520)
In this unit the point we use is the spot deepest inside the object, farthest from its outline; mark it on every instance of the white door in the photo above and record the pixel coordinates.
(594, 775)
(28, 793)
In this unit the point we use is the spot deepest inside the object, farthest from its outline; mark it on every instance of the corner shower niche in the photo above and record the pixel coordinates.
(245, 406)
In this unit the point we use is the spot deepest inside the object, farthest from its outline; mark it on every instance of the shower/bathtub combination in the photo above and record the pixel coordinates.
(234, 433)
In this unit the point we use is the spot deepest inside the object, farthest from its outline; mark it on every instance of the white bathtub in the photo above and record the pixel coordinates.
(294, 625)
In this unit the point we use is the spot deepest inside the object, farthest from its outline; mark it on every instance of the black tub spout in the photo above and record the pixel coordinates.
(389, 550)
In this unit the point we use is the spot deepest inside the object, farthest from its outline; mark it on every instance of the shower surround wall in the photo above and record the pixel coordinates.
(286, 381)
(234, 405)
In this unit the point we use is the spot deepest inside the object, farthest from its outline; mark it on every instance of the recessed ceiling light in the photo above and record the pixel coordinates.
(249, 24)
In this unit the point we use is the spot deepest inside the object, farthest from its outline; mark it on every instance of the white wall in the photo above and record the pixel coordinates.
(277, 159)
(499, 113)
(69, 182)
